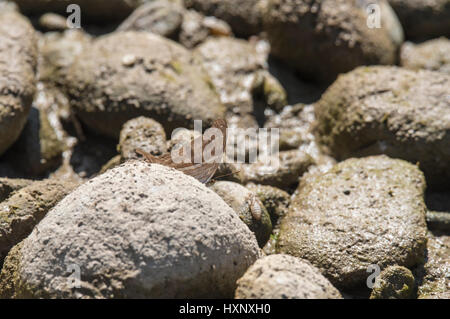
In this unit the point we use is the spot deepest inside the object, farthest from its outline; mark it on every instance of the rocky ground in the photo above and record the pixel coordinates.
(359, 206)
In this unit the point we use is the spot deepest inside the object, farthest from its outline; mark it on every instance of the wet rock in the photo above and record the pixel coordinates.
(58, 52)
(244, 18)
(394, 282)
(196, 28)
(431, 55)
(129, 74)
(10, 185)
(392, 111)
(284, 277)
(18, 59)
(138, 231)
(434, 276)
(91, 11)
(322, 39)
(53, 22)
(248, 207)
(143, 133)
(21, 212)
(283, 170)
(161, 17)
(275, 200)
(349, 218)
(239, 74)
(424, 19)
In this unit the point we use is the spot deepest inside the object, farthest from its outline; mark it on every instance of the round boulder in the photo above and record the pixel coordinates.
(284, 277)
(137, 231)
(388, 110)
(129, 74)
(322, 39)
(362, 212)
(18, 59)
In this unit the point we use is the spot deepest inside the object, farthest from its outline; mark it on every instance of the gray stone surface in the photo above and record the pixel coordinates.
(362, 212)
(128, 74)
(18, 60)
(322, 39)
(284, 277)
(137, 231)
(393, 111)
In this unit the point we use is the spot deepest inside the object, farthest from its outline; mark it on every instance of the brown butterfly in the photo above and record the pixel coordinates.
(204, 170)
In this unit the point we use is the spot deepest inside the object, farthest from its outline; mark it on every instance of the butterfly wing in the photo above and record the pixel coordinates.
(201, 171)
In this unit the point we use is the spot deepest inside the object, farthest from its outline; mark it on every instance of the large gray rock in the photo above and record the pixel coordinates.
(129, 74)
(18, 59)
(284, 277)
(362, 212)
(393, 111)
(138, 231)
(322, 39)
(423, 19)
(431, 55)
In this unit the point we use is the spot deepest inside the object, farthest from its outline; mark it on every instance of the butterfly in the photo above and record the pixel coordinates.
(207, 167)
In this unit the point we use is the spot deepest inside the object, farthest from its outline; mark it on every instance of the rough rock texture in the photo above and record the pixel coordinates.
(423, 19)
(92, 11)
(10, 185)
(138, 231)
(275, 200)
(58, 52)
(244, 17)
(239, 74)
(161, 17)
(283, 171)
(284, 277)
(129, 74)
(434, 276)
(438, 221)
(322, 39)
(394, 282)
(393, 111)
(18, 59)
(143, 133)
(248, 207)
(20, 213)
(431, 55)
(362, 212)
